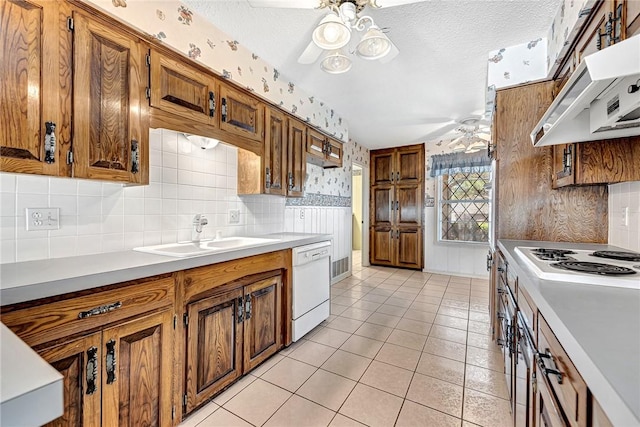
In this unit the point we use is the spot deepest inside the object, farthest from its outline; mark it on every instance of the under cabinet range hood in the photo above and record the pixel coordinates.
(601, 100)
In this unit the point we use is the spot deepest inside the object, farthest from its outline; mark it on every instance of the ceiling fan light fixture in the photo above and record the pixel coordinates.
(331, 33)
(374, 44)
(202, 141)
(335, 62)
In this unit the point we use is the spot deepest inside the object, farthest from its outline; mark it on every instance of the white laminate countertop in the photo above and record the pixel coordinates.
(30, 280)
(598, 327)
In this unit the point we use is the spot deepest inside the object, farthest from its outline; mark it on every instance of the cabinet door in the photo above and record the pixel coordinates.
(111, 135)
(334, 153)
(79, 362)
(241, 114)
(409, 166)
(274, 152)
(35, 90)
(262, 321)
(408, 205)
(214, 345)
(382, 245)
(296, 158)
(382, 205)
(382, 167)
(409, 247)
(137, 375)
(179, 89)
(591, 41)
(563, 165)
(316, 145)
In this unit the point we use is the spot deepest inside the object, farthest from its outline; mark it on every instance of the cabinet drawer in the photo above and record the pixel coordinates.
(571, 390)
(68, 316)
(527, 308)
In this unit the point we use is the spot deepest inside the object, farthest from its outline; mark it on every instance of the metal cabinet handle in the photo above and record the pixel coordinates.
(135, 156)
(391, 177)
(489, 261)
(240, 309)
(500, 315)
(290, 181)
(92, 369)
(567, 159)
(223, 113)
(397, 205)
(111, 361)
(50, 142)
(501, 269)
(247, 307)
(99, 310)
(212, 104)
(398, 176)
(500, 342)
(549, 371)
(267, 180)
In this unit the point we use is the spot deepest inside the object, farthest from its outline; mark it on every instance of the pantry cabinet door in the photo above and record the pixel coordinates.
(297, 158)
(383, 245)
(274, 152)
(409, 244)
(35, 92)
(111, 134)
(262, 330)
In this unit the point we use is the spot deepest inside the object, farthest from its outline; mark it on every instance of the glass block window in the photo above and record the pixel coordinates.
(464, 207)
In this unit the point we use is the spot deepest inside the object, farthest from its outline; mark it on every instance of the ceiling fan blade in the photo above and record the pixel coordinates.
(484, 136)
(297, 4)
(311, 54)
(390, 3)
(441, 131)
(391, 55)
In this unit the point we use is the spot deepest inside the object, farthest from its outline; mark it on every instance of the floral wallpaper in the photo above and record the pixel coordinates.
(517, 64)
(173, 23)
(571, 16)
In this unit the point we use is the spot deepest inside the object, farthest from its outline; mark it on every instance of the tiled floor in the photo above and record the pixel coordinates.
(401, 348)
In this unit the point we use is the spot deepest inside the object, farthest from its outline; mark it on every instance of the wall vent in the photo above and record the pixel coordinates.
(339, 267)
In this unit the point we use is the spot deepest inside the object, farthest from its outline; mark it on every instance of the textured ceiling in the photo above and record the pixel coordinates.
(440, 74)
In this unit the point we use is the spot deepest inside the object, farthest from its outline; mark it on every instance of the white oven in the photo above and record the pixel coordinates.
(311, 287)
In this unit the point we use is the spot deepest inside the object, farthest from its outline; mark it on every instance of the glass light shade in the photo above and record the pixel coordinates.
(374, 44)
(203, 142)
(335, 62)
(331, 33)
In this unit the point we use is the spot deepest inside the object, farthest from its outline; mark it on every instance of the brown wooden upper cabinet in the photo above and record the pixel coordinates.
(35, 93)
(275, 151)
(182, 90)
(241, 114)
(322, 150)
(403, 165)
(296, 158)
(110, 122)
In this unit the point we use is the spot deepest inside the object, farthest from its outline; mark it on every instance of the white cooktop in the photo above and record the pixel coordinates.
(544, 269)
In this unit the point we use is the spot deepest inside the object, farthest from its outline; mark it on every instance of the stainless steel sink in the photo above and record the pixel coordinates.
(189, 249)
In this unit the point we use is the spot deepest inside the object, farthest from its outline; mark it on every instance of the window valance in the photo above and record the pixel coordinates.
(447, 164)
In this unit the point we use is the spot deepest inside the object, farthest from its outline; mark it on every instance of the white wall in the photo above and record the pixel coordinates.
(626, 194)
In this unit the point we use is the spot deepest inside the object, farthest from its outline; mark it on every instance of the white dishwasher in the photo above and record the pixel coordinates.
(311, 287)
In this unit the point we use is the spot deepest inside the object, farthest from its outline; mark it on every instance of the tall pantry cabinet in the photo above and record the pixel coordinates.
(396, 200)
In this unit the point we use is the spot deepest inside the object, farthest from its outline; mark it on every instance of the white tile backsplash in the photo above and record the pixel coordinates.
(625, 194)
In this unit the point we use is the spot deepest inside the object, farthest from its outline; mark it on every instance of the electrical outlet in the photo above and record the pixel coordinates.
(234, 216)
(43, 219)
(624, 219)
(301, 213)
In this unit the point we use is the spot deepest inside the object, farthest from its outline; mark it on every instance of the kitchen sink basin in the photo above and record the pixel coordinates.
(189, 249)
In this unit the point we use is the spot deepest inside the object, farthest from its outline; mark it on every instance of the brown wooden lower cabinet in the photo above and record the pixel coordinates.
(400, 247)
(229, 333)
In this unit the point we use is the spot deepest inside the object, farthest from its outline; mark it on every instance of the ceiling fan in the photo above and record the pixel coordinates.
(475, 136)
(334, 32)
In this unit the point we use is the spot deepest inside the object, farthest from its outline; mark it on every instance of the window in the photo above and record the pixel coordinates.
(464, 206)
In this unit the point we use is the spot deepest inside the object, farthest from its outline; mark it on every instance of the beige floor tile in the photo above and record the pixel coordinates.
(382, 292)
(457, 297)
(268, 364)
(449, 334)
(373, 331)
(480, 305)
(289, 374)
(198, 416)
(392, 310)
(374, 297)
(413, 414)
(444, 348)
(486, 410)
(414, 326)
(407, 339)
(293, 346)
(337, 309)
(416, 284)
(345, 324)
(312, 353)
(454, 312)
(398, 356)
(486, 381)
(485, 358)
(298, 411)
(421, 316)
(432, 291)
(372, 407)
(388, 378)
(481, 341)
(343, 300)
(232, 391)
(223, 418)
(347, 364)
(327, 389)
(409, 295)
(452, 322)
(356, 313)
(463, 305)
(428, 299)
(383, 319)
(424, 306)
(442, 368)
(362, 346)
(479, 317)
(479, 327)
(366, 305)
(331, 337)
(468, 424)
(437, 394)
(400, 302)
(257, 402)
(337, 292)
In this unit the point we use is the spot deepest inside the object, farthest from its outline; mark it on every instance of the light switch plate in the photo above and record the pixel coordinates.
(42, 219)
(234, 216)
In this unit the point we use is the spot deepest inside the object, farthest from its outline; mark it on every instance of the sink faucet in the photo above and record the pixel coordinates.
(199, 221)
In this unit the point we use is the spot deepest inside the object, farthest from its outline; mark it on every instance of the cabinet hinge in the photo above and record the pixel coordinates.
(70, 26)
(184, 400)
(175, 321)
(185, 319)
(147, 93)
(173, 412)
(148, 59)
(69, 157)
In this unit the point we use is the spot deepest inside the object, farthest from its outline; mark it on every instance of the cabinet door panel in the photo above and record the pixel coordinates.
(35, 67)
(110, 140)
(297, 159)
(214, 346)
(262, 321)
(182, 90)
(274, 152)
(409, 242)
(79, 361)
(382, 206)
(241, 114)
(334, 153)
(316, 144)
(410, 165)
(563, 175)
(382, 245)
(136, 381)
(382, 168)
(409, 205)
